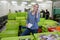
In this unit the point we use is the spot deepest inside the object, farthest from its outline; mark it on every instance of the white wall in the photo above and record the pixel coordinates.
(13, 8)
(3, 9)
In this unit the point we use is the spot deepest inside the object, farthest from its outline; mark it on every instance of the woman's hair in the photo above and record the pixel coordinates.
(36, 4)
(33, 6)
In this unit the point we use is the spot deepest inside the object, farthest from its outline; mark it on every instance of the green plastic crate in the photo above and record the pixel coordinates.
(22, 14)
(9, 33)
(12, 25)
(26, 37)
(20, 18)
(12, 21)
(23, 22)
(46, 35)
(12, 16)
(10, 38)
(40, 23)
(50, 23)
(0, 36)
(42, 19)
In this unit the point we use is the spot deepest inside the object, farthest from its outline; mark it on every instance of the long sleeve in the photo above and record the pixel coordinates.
(38, 18)
(27, 18)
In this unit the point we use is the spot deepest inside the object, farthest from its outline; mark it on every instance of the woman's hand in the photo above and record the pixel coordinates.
(33, 13)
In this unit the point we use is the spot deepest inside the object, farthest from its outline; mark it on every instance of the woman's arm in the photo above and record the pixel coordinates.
(38, 18)
(27, 21)
(28, 18)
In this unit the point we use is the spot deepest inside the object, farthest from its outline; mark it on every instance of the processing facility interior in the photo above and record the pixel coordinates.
(14, 15)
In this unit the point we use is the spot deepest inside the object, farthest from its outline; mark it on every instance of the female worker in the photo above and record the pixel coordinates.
(32, 21)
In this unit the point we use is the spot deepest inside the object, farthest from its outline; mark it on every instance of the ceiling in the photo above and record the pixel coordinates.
(24, 0)
(20, 1)
(28, 0)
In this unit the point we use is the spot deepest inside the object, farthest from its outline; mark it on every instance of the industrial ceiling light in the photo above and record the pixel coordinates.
(27, 0)
(29, 5)
(39, 0)
(3, 1)
(24, 2)
(14, 3)
(33, 3)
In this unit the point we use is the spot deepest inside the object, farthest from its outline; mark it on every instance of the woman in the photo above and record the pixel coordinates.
(33, 18)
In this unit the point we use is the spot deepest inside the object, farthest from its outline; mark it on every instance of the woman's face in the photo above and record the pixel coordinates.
(35, 7)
